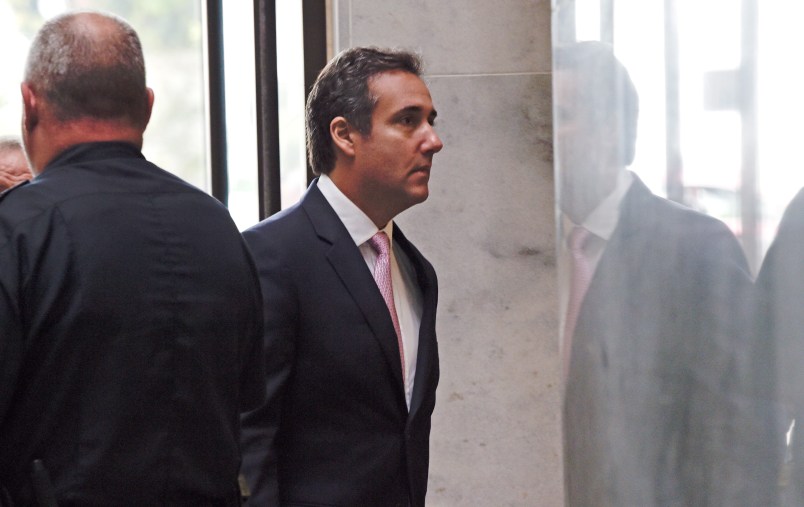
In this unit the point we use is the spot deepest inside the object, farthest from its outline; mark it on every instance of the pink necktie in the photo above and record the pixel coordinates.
(382, 275)
(579, 283)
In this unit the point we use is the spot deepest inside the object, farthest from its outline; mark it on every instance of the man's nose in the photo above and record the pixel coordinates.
(433, 143)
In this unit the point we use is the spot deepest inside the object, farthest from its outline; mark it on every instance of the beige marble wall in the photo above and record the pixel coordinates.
(488, 227)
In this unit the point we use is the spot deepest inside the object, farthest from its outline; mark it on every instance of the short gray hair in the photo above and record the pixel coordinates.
(89, 64)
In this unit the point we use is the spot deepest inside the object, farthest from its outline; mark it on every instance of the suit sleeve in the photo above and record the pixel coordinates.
(780, 291)
(252, 370)
(10, 326)
(260, 426)
(780, 326)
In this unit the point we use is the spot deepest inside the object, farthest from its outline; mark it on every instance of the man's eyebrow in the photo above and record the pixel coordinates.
(410, 109)
(417, 110)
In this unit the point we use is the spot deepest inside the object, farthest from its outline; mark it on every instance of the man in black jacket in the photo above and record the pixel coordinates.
(130, 312)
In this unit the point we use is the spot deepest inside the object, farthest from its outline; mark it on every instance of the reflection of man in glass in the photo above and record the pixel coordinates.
(654, 412)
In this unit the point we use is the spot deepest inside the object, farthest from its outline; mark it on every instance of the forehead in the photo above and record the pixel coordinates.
(398, 89)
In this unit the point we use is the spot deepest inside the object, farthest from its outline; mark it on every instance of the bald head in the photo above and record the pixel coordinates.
(89, 65)
(13, 164)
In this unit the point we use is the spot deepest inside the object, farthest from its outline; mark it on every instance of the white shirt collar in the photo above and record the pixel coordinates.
(359, 225)
(603, 219)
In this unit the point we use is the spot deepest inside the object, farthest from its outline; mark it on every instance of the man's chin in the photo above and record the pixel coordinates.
(418, 194)
(422, 196)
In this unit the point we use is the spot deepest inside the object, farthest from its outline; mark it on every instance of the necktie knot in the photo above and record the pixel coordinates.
(577, 239)
(380, 243)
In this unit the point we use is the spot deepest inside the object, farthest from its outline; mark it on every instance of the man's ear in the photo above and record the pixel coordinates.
(150, 105)
(30, 108)
(343, 135)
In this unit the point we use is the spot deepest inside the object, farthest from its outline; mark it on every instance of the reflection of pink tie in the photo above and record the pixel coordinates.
(579, 283)
(382, 275)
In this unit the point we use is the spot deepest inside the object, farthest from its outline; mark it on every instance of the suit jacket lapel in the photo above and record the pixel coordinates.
(348, 263)
(613, 290)
(625, 247)
(427, 354)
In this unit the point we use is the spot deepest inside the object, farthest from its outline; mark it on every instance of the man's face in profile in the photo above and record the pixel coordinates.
(393, 161)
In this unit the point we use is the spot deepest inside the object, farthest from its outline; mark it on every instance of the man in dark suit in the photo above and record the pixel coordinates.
(780, 291)
(130, 309)
(657, 408)
(351, 368)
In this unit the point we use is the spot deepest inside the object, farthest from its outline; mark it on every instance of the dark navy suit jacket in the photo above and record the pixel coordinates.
(780, 288)
(659, 409)
(335, 429)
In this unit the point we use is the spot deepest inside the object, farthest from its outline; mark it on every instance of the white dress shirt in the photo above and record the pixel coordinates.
(407, 294)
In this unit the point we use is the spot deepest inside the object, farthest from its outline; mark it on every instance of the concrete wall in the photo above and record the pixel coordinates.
(488, 227)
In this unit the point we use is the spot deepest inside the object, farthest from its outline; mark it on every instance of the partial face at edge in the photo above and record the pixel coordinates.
(13, 168)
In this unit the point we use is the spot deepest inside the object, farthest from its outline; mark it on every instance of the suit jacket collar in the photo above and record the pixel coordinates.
(635, 210)
(622, 263)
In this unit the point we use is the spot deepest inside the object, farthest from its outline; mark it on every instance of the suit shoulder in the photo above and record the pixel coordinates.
(279, 221)
(23, 202)
(792, 222)
(687, 220)
(696, 229)
(280, 232)
(784, 255)
(5, 193)
(691, 234)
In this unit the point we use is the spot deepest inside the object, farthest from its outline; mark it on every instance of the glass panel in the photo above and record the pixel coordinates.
(780, 102)
(241, 121)
(12, 35)
(668, 347)
(290, 74)
(241, 107)
(171, 35)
